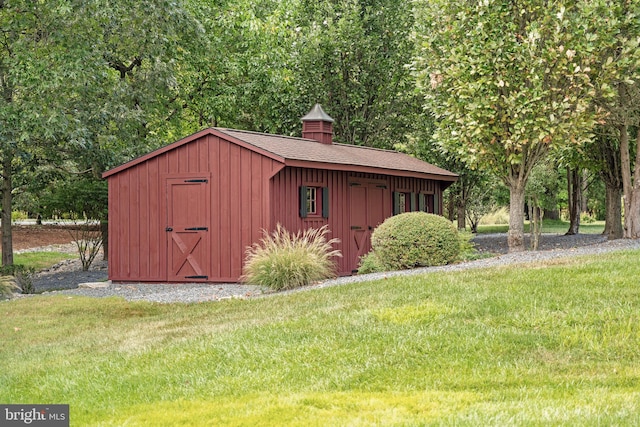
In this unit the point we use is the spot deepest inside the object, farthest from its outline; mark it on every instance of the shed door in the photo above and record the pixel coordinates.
(187, 229)
(367, 212)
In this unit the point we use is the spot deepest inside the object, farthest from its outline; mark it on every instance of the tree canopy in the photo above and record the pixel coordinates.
(490, 87)
(508, 82)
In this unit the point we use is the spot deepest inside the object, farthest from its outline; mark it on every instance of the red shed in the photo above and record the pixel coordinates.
(188, 211)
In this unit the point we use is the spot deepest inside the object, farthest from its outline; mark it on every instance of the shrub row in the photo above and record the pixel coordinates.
(285, 260)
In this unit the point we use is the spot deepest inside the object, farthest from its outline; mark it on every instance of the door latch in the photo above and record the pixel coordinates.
(168, 229)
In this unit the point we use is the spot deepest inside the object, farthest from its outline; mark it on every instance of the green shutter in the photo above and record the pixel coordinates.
(325, 202)
(303, 201)
(436, 203)
(396, 202)
(422, 202)
(413, 201)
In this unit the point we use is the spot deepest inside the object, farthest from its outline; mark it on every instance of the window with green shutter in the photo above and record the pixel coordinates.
(314, 202)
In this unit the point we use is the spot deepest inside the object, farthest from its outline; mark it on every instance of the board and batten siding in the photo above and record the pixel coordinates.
(285, 202)
(239, 208)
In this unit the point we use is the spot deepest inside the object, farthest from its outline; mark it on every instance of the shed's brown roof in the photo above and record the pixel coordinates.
(307, 150)
(301, 152)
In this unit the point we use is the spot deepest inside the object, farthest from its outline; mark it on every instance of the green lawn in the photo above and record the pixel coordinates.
(41, 260)
(548, 226)
(549, 344)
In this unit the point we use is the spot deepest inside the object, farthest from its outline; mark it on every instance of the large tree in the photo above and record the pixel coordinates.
(245, 79)
(508, 81)
(603, 155)
(352, 56)
(33, 63)
(615, 27)
(92, 82)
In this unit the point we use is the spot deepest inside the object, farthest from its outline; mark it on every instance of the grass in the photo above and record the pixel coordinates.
(554, 343)
(548, 226)
(41, 260)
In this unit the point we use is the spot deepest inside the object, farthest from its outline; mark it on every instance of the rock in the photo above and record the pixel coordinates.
(95, 285)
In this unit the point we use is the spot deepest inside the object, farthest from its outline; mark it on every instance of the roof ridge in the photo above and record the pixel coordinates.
(298, 138)
(263, 134)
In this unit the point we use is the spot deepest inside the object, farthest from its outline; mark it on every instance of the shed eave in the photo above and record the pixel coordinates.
(449, 179)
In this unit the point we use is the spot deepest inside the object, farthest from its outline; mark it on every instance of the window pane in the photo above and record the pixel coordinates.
(311, 200)
(402, 203)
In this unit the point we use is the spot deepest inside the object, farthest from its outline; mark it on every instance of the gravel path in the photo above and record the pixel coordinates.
(94, 284)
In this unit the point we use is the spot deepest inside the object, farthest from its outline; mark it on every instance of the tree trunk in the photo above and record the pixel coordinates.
(516, 216)
(630, 186)
(613, 212)
(574, 185)
(451, 203)
(584, 199)
(462, 225)
(7, 196)
(104, 228)
(535, 227)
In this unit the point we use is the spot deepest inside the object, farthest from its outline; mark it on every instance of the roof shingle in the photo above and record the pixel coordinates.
(307, 150)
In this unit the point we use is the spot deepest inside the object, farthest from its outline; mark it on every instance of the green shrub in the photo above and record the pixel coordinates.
(17, 215)
(415, 239)
(466, 245)
(283, 260)
(587, 218)
(370, 263)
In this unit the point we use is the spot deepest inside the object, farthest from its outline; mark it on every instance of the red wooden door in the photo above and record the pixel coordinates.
(187, 229)
(367, 212)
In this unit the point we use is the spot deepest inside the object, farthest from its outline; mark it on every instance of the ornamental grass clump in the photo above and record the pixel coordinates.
(284, 260)
(415, 239)
(8, 287)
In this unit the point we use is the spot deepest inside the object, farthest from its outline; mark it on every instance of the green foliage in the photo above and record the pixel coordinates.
(83, 197)
(370, 263)
(415, 239)
(374, 263)
(543, 186)
(509, 83)
(351, 57)
(518, 84)
(17, 215)
(284, 260)
(467, 248)
(586, 218)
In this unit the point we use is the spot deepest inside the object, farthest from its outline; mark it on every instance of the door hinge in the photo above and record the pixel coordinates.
(197, 229)
(196, 180)
(196, 277)
(356, 227)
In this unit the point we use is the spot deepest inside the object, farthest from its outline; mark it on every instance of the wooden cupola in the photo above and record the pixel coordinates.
(318, 125)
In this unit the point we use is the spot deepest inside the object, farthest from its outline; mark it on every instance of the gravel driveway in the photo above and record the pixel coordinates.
(94, 283)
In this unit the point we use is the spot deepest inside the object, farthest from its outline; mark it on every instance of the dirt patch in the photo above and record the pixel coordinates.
(34, 236)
